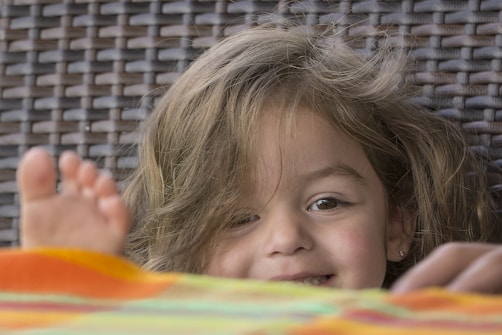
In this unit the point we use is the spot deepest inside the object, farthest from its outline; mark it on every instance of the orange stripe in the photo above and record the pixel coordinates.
(442, 300)
(32, 272)
(340, 326)
(107, 264)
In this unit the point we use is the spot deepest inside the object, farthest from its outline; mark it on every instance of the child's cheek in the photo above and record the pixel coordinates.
(361, 244)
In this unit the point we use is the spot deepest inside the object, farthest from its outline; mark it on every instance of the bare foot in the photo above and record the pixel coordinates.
(88, 213)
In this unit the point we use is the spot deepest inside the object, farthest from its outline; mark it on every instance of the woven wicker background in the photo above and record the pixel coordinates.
(75, 74)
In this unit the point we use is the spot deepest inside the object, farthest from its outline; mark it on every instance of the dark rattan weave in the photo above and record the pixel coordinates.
(75, 74)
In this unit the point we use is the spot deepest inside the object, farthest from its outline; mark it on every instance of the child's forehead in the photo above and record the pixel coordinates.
(300, 138)
(287, 122)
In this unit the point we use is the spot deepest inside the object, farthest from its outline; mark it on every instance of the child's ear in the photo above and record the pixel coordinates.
(400, 233)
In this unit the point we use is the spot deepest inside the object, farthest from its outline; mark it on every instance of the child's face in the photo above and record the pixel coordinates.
(318, 212)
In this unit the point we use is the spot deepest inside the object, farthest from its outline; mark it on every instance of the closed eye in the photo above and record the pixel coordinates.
(246, 220)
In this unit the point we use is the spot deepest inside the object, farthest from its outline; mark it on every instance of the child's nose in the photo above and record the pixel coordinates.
(287, 234)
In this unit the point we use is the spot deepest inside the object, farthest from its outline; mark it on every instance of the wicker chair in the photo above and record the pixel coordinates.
(77, 74)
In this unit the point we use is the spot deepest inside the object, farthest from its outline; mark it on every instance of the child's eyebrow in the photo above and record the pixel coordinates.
(337, 170)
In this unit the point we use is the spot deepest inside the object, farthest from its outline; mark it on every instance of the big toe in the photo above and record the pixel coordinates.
(36, 177)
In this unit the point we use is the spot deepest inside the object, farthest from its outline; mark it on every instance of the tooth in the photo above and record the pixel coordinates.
(314, 280)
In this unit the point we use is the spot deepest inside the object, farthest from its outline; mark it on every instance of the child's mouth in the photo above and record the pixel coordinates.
(314, 280)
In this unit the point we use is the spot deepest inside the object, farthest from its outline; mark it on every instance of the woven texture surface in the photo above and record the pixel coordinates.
(79, 74)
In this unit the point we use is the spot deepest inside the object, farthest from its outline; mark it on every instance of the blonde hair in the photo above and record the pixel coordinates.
(195, 146)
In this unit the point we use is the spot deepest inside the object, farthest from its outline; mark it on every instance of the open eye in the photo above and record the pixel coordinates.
(325, 204)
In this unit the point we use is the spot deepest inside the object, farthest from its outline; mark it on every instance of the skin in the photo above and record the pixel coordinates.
(317, 212)
(88, 213)
(459, 267)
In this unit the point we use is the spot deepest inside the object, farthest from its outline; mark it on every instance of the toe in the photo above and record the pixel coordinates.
(36, 176)
(69, 164)
(87, 174)
(105, 186)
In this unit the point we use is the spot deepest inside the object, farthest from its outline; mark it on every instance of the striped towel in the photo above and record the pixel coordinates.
(62, 291)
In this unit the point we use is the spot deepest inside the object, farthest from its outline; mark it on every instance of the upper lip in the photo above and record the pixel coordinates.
(298, 276)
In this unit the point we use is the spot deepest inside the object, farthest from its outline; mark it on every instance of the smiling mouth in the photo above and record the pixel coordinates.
(314, 280)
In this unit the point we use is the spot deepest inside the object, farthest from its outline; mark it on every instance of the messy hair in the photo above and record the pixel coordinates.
(194, 152)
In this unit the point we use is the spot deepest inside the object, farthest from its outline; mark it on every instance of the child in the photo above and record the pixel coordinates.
(285, 155)
(96, 220)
